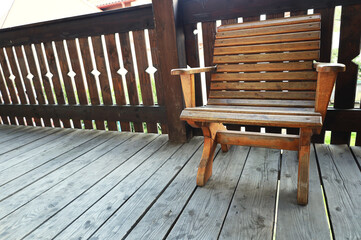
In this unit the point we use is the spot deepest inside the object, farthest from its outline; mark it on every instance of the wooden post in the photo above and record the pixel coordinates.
(172, 55)
(350, 38)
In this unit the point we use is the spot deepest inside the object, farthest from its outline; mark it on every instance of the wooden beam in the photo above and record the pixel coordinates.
(255, 139)
(101, 112)
(122, 20)
(170, 54)
(343, 120)
(202, 11)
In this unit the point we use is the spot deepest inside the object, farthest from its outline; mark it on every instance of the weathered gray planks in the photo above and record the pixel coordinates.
(251, 213)
(162, 215)
(134, 208)
(23, 140)
(341, 180)
(17, 167)
(203, 216)
(357, 152)
(73, 211)
(75, 183)
(33, 191)
(50, 202)
(54, 164)
(295, 221)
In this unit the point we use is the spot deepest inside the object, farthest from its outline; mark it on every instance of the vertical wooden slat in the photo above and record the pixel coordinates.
(18, 82)
(5, 95)
(116, 78)
(50, 55)
(144, 79)
(234, 127)
(78, 79)
(36, 80)
(130, 78)
(64, 70)
(295, 131)
(209, 34)
(298, 13)
(350, 36)
(29, 89)
(10, 86)
(88, 67)
(169, 29)
(103, 77)
(229, 21)
(46, 80)
(157, 76)
(273, 16)
(327, 19)
(252, 128)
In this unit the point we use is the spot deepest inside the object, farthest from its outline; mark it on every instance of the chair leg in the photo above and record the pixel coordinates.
(303, 166)
(205, 166)
(225, 147)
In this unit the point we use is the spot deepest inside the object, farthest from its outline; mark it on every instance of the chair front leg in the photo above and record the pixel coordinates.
(209, 148)
(303, 165)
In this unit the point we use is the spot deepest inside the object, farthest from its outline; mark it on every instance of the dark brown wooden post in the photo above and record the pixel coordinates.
(349, 49)
(171, 55)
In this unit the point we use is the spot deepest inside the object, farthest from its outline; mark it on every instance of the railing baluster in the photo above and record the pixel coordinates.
(64, 72)
(27, 80)
(130, 78)
(157, 76)
(144, 79)
(78, 79)
(36, 79)
(116, 77)
(10, 85)
(103, 77)
(92, 86)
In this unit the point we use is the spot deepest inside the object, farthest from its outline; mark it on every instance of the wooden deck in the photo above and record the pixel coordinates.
(81, 184)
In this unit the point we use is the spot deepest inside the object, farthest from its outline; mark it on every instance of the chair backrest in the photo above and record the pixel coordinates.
(266, 63)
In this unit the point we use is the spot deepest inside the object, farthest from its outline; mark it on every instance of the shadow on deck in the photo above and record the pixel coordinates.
(80, 184)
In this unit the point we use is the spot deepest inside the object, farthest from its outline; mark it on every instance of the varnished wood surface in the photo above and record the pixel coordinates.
(88, 188)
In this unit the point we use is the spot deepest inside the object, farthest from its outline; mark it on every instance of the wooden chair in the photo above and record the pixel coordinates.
(264, 76)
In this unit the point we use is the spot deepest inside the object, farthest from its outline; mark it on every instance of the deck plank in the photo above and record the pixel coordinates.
(18, 153)
(161, 216)
(19, 199)
(66, 183)
(14, 168)
(168, 166)
(55, 199)
(356, 150)
(295, 221)
(251, 214)
(341, 180)
(204, 214)
(112, 182)
(9, 132)
(26, 139)
(55, 163)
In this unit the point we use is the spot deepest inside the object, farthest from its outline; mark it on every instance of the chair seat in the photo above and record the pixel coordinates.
(263, 116)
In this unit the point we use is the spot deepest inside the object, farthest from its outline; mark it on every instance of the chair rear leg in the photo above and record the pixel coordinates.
(205, 166)
(225, 147)
(303, 166)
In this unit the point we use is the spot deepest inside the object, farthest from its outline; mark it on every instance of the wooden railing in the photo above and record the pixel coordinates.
(94, 71)
(74, 71)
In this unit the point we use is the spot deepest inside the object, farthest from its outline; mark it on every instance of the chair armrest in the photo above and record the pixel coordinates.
(182, 71)
(327, 74)
(329, 67)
